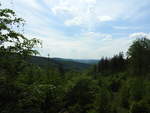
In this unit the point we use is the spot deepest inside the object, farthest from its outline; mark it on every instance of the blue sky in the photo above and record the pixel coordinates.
(83, 28)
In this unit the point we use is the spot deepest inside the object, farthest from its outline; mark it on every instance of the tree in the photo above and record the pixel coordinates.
(17, 43)
(14, 46)
(14, 49)
(112, 65)
(102, 101)
(81, 97)
(138, 55)
(140, 107)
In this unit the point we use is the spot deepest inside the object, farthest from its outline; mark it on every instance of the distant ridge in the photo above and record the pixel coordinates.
(67, 64)
(85, 61)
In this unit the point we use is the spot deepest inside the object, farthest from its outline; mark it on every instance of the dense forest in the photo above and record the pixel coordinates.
(120, 84)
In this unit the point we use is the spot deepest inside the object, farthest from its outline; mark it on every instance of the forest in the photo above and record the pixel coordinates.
(118, 84)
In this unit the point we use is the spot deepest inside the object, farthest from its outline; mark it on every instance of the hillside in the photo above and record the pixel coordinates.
(85, 61)
(57, 62)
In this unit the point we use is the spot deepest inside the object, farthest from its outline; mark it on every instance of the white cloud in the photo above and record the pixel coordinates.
(85, 45)
(97, 35)
(90, 45)
(61, 9)
(89, 1)
(31, 3)
(126, 28)
(85, 48)
(95, 11)
(140, 35)
(105, 18)
(74, 21)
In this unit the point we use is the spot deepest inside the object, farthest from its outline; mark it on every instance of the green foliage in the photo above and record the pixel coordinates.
(16, 42)
(112, 65)
(102, 102)
(81, 97)
(140, 107)
(14, 47)
(137, 90)
(139, 54)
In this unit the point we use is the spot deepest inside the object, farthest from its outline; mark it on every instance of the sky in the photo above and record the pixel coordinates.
(83, 29)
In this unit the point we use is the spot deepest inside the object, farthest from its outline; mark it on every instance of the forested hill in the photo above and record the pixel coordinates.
(85, 61)
(66, 64)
